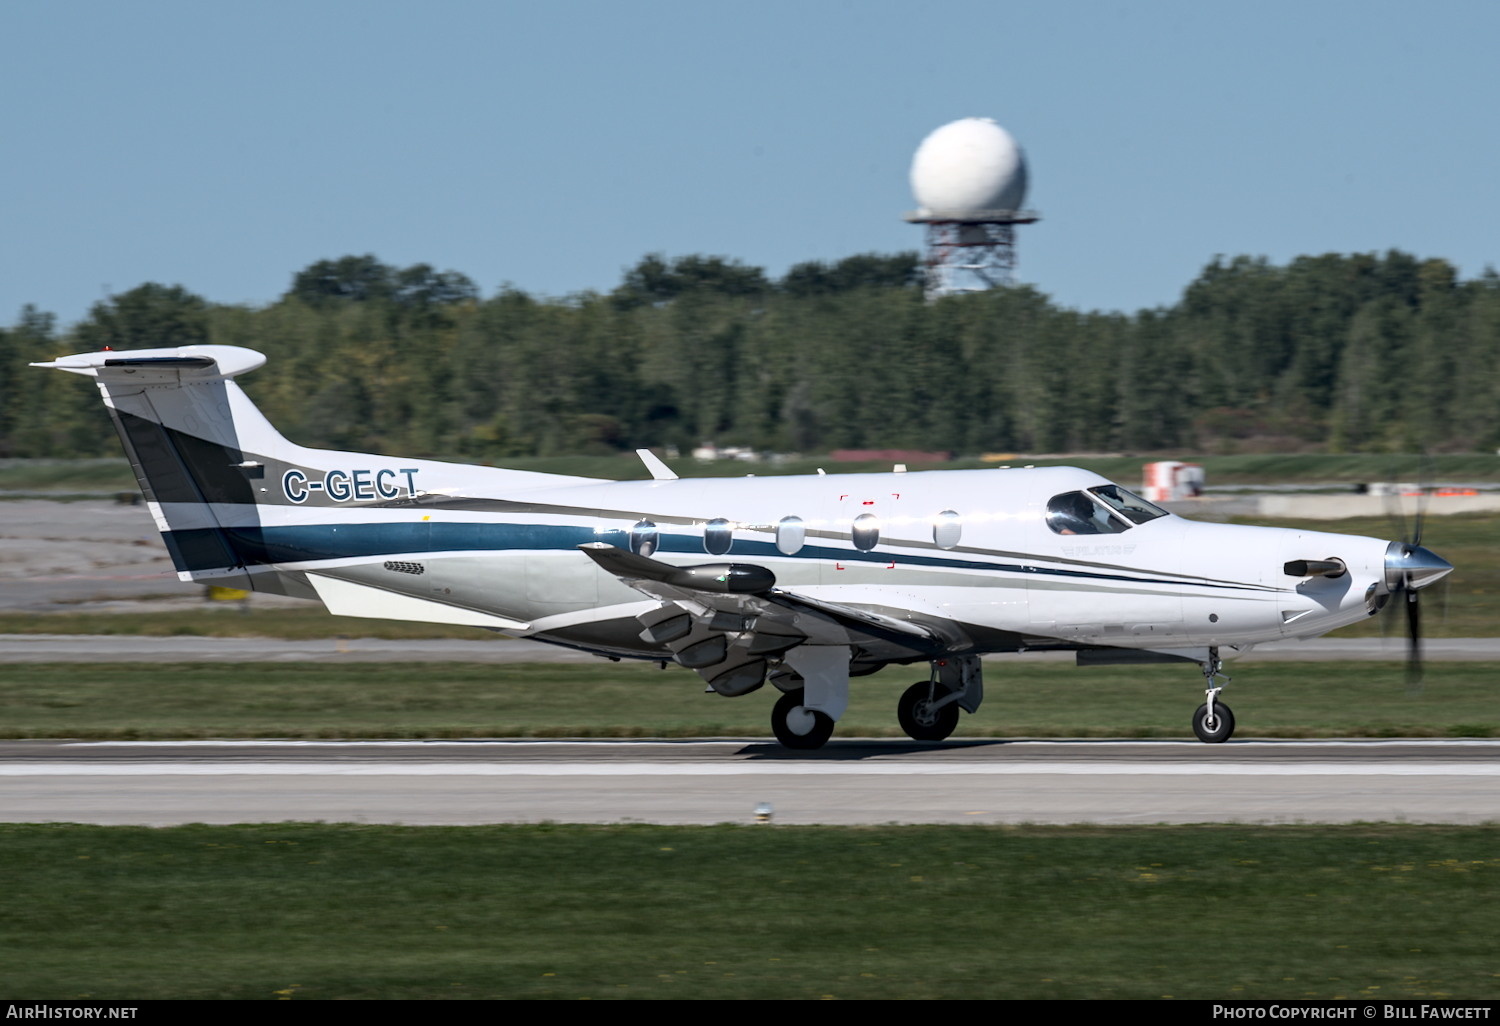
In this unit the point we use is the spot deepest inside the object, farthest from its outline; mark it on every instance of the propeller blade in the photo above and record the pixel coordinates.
(1424, 493)
(1395, 511)
(1415, 569)
(1414, 636)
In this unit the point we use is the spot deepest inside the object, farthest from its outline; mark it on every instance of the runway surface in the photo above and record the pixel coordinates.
(719, 781)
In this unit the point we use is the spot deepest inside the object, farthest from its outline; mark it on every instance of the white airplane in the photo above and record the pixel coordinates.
(804, 582)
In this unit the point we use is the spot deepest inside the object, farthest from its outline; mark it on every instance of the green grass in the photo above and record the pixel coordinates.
(1277, 468)
(458, 700)
(316, 911)
(81, 475)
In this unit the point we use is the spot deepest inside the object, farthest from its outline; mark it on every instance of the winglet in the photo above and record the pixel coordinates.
(659, 470)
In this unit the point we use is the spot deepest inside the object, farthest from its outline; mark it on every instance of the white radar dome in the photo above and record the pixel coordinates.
(968, 166)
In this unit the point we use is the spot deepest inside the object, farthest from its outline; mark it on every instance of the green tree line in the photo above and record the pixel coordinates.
(1337, 352)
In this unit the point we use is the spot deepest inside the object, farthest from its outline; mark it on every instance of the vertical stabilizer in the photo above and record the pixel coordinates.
(192, 437)
(235, 501)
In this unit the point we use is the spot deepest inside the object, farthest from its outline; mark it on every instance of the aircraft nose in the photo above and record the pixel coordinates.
(1413, 566)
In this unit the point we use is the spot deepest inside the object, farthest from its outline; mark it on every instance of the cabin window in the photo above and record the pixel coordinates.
(791, 533)
(1080, 513)
(866, 531)
(643, 538)
(946, 529)
(718, 535)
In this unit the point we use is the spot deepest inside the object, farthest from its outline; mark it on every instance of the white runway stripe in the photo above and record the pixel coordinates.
(746, 769)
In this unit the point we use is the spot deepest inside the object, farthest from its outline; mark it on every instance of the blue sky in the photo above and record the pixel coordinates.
(225, 146)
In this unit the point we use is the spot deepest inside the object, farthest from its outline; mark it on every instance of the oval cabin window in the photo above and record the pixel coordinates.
(718, 535)
(865, 532)
(791, 533)
(643, 538)
(946, 529)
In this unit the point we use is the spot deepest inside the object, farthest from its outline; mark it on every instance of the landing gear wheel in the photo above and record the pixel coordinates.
(919, 719)
(1218, 729)
(799, 727)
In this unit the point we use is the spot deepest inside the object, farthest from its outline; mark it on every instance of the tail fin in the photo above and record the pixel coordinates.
(235, 501)
(195, 441)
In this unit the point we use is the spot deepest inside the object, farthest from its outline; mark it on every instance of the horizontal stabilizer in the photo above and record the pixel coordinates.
(183, 364)
(190, 362)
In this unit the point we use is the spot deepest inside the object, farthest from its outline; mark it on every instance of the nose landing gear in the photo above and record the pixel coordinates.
(1213, 721)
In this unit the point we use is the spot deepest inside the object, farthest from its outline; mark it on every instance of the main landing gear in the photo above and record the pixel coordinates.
(796, 726)
(814, 694)
(928, 711)
(1213, 721)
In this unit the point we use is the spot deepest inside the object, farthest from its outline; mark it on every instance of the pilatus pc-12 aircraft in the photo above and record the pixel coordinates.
(804, 582)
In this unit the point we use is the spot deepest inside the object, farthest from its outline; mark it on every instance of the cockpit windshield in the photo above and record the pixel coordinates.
(1136, 509)
(1108, 509)
(1081, 513)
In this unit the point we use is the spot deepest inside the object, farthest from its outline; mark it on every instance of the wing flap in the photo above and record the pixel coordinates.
(728, 621)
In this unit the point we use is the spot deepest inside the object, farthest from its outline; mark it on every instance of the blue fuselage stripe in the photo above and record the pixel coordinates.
(302, 543)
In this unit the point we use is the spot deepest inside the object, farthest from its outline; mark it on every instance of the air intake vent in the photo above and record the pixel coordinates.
(396, 566)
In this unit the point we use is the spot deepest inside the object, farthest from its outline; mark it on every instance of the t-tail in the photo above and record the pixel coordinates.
(228, 491)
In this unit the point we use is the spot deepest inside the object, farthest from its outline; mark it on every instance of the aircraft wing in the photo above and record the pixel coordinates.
(726, 620)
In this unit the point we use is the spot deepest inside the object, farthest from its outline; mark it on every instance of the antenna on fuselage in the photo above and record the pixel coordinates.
(659, 470)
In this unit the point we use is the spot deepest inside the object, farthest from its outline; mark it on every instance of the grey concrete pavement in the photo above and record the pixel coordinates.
(849, 782)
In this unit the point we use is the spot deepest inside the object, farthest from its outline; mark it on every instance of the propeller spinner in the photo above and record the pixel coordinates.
(1408, 569)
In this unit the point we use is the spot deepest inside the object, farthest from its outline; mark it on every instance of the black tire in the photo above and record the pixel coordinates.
(920, 721)
(1218, 731)
(817, 737)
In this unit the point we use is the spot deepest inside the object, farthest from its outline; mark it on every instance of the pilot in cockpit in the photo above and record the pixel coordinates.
(1076, 513)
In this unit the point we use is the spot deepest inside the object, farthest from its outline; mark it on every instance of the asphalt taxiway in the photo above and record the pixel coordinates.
(717, 781)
